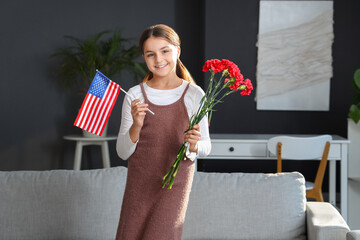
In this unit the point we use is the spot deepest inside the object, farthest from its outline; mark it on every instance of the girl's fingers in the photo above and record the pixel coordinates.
(136, 106)
(139, 109)
(196, 127)
(192, 136)
(135, 101)
(194, 133)
(138, 112)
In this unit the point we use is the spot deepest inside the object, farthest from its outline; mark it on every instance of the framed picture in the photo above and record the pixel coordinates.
(294, 65)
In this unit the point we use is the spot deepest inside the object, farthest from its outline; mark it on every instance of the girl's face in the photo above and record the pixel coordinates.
(160, 56)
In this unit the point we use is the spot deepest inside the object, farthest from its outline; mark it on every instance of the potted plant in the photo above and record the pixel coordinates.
(106, 51)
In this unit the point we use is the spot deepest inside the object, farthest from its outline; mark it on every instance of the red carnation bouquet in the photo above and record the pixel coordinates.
(231, 81)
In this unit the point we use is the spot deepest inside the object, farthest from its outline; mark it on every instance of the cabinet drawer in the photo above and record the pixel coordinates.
(227, 149)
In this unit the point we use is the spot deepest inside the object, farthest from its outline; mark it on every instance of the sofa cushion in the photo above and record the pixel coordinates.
(61, 204)
(246, 206)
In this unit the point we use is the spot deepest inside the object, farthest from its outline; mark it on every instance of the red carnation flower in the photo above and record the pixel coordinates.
(213, 64)
(233, 69)
(249, 87)
(236, 85)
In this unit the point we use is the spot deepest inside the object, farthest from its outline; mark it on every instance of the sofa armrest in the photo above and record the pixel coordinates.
(353, 235)
(324, 222)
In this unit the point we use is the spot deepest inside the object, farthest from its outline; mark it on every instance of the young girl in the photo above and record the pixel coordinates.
(151, 142)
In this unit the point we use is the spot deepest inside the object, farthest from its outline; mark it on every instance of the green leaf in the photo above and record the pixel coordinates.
(357, 78)
(354, 113)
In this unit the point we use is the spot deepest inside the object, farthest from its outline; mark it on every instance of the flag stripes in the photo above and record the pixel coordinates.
(95, 111)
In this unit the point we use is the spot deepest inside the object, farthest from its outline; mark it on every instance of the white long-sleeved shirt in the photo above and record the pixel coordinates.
(125, 147)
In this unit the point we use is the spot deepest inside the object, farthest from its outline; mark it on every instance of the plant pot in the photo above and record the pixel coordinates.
(91, 135)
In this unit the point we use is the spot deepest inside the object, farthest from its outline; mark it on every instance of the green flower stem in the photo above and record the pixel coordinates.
(177, 165)
(217, 91)
(170, 175)
(208, 91)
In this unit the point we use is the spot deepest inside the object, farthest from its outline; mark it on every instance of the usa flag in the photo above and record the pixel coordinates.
(98, 104)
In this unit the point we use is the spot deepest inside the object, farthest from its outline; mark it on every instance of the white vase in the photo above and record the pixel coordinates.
(91, 135)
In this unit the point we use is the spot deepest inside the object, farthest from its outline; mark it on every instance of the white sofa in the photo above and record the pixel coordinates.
(66, 204)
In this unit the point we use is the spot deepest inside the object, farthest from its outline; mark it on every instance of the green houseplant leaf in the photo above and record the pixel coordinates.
(354, 111)
(357, 79)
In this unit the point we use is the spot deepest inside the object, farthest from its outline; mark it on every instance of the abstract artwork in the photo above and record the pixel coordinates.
(294, 65)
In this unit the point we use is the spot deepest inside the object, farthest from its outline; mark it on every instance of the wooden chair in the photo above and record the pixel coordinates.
(303, 148)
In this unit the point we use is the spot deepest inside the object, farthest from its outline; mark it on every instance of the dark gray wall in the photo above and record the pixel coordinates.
(36, 113)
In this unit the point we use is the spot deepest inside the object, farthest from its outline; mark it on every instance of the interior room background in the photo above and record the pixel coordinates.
(36, 113)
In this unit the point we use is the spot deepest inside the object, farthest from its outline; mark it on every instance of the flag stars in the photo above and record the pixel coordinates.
(99, 85)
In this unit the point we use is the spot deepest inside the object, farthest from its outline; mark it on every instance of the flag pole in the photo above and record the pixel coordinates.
(132, 99)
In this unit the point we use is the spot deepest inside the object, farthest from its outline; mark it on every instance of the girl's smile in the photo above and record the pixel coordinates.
(162, 66)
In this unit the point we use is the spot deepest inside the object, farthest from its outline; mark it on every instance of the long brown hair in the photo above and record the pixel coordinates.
(166, 32)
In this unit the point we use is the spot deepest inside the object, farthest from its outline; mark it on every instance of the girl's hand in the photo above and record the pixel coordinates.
(192, 137)
(138, 112)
